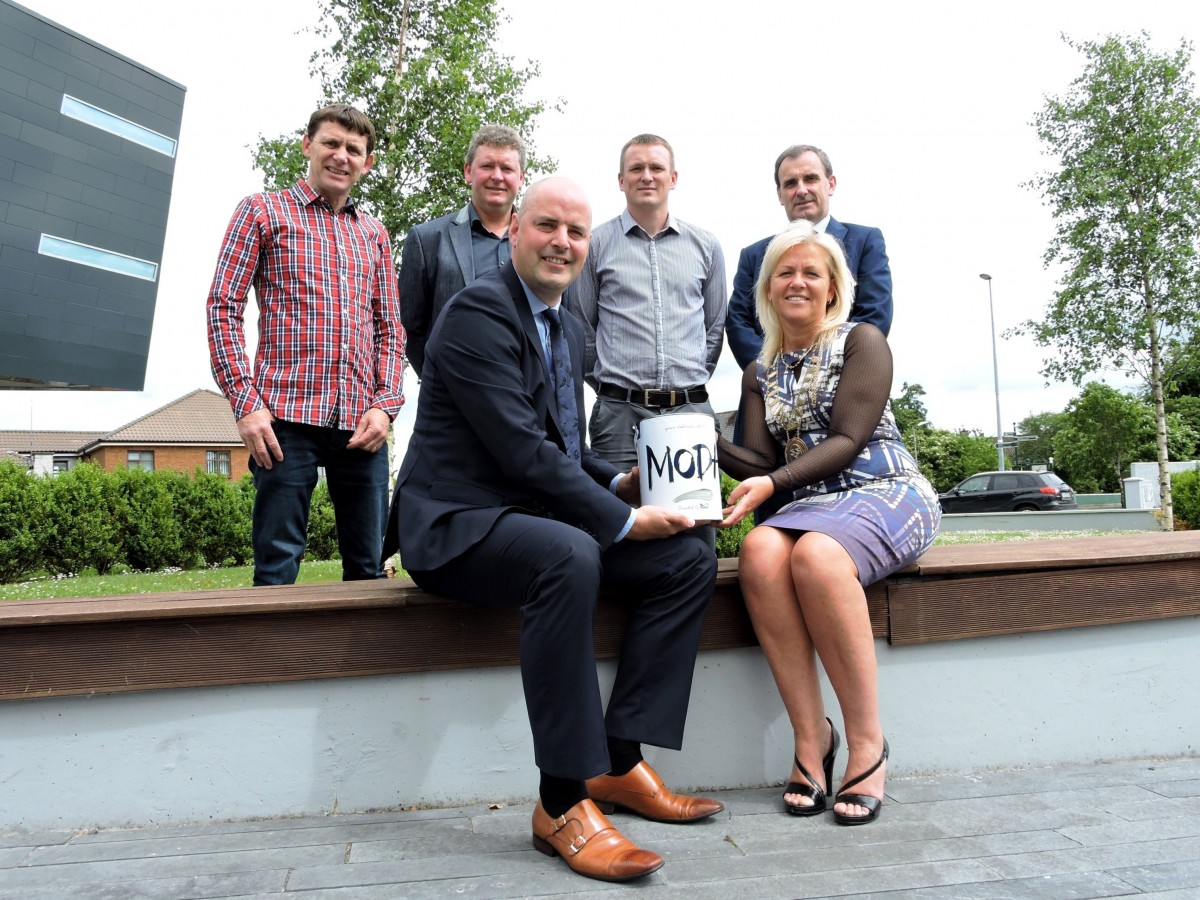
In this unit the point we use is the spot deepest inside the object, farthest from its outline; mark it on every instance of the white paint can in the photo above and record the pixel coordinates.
(677, 459)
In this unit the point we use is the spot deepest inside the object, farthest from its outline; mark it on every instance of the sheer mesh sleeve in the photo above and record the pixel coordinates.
(858, 405)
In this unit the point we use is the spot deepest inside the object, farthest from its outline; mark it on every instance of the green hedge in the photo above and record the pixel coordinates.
(89, 519)
(1185, 499)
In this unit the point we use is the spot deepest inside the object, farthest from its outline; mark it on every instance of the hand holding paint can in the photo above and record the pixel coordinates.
(677, 456)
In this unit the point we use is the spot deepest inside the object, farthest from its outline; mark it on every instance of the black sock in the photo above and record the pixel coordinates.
(623, 755)
(560, 794)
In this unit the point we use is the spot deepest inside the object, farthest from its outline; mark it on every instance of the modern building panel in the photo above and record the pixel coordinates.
(88, 140)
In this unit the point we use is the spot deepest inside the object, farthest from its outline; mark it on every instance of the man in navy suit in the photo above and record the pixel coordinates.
(804, 181)
(444, 255)
(500, 502)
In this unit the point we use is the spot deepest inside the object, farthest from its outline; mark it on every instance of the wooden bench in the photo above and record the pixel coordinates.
(247, 635)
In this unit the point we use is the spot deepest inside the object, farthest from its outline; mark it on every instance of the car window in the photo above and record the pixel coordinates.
(1053, 480)
(1006, 482)
(1031, 481)
(975, 483)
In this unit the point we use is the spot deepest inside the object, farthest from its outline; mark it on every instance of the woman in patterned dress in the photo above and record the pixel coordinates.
(818, 430)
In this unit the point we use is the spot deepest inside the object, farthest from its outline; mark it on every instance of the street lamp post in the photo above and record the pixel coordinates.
(996, 376)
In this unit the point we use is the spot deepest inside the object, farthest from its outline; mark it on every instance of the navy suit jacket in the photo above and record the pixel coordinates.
(487, 437)
(435, 265)
(868, 262)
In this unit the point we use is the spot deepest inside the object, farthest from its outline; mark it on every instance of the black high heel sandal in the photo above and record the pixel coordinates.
(812, 790)
(873, 804)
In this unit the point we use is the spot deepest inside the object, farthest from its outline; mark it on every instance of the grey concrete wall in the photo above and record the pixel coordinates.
(63, 323)
(458, 737)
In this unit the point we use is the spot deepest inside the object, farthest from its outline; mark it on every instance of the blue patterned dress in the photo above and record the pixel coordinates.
(878, 507)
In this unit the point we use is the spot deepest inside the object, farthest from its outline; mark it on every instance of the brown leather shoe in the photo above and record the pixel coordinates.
(590, 845)
(641, 791)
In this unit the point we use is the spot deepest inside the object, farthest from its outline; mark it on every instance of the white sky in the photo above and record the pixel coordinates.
(924, 108)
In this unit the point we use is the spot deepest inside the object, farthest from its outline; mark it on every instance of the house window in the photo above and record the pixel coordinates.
(61, 464)
(216, 462)
(140, 459)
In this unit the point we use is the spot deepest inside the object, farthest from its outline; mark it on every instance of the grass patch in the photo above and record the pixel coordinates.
(157, 582)
(996, 537)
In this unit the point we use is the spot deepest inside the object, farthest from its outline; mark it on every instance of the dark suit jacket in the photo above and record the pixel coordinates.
(436, 264)
(487, 437)
(868, 262)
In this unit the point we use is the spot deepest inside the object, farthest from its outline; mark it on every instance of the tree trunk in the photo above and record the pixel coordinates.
(1160, 429)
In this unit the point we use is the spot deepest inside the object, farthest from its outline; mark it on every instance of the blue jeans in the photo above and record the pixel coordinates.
(357, 486)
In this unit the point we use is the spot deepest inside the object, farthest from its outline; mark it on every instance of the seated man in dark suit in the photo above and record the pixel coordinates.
(500, 502)
(804, 181)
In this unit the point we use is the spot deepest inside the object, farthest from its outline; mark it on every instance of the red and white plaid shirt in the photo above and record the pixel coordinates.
(330, 343)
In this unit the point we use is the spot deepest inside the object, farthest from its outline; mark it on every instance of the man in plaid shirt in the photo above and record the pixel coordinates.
(328, 372)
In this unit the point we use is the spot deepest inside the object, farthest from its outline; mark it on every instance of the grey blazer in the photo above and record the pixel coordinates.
(436, 264)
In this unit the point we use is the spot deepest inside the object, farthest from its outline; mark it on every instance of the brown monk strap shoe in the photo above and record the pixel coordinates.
(590, 845)
(641, 791)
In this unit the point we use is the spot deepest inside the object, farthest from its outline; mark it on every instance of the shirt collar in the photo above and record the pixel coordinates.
(628, 223)
(305, 194)
(537, 305)
(823, 225)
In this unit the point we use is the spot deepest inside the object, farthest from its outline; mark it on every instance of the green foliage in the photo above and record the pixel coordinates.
(1186, 488)
(150, 532)
(214, 522)
(947, 457)
(1044, 426)
(909, 411)
(729, 540)
(84, 516)
(1104, 431)
(425, 73)
(21, 505)
(322, 529)
(1127, 138)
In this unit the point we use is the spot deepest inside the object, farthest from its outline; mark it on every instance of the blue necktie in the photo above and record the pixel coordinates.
(564, 384)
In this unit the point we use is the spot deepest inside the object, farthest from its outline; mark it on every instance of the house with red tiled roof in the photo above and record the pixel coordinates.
(197, 430)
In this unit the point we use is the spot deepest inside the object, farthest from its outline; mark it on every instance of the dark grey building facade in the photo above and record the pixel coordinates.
(88, 140)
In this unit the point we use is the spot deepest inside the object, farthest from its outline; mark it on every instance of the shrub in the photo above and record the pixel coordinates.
(214, 518)
(84, 517)
(22, 502)
(151, 534)
(1185, 498)
(322, 530)
(729, 540)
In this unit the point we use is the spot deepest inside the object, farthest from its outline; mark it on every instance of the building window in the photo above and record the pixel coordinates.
(97, 257)
(216, 462)
(61, 464)
(140, 459)
(114, 124)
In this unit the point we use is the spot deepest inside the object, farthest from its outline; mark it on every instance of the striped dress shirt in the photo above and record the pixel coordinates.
(653, 306)
(330, 344)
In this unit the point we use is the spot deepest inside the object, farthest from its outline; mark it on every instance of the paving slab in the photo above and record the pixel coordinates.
(1127, 829)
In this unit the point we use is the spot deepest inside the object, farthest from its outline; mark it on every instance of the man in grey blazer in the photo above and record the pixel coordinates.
(443, 256)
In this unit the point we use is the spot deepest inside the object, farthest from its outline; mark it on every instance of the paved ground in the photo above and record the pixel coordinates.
(1107, 830)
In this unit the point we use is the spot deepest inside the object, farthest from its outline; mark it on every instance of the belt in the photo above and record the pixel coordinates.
(654, 399)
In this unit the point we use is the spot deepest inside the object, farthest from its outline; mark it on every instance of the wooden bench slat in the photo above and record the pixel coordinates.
(248, 635)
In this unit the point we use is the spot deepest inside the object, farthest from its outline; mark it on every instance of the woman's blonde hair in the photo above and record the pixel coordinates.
(802, 232)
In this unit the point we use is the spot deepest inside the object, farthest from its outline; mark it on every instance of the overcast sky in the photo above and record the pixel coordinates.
(924, 109)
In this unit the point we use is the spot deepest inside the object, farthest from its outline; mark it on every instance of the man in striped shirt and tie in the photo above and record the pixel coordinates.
(652, 300)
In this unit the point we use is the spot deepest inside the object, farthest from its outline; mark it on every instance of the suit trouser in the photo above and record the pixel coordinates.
(554, 572)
